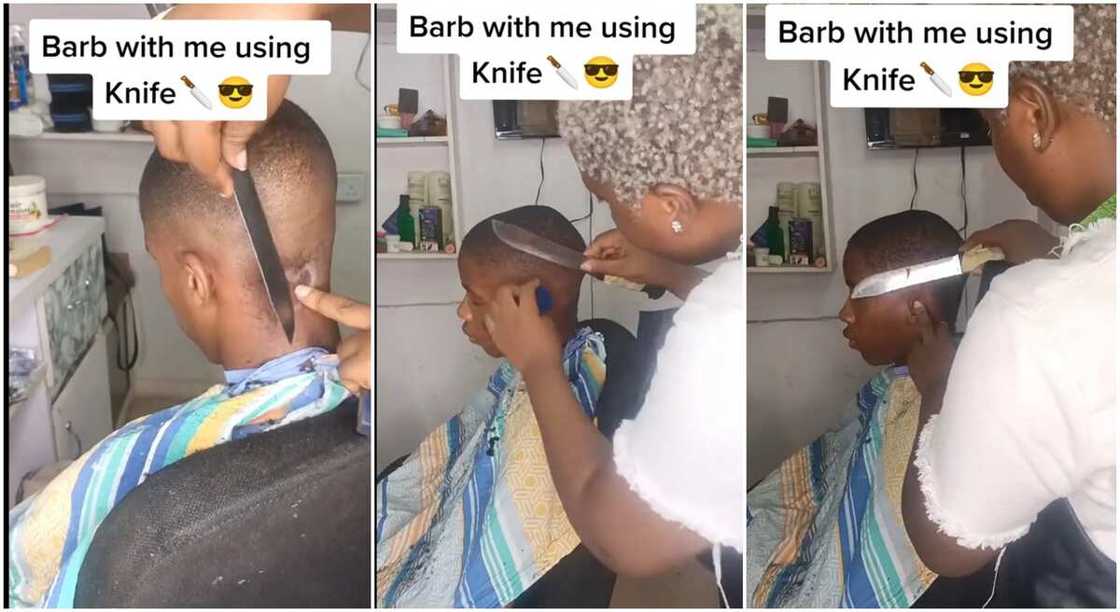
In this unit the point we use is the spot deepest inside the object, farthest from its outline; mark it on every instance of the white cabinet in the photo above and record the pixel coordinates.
(57, 311)
(77, 415)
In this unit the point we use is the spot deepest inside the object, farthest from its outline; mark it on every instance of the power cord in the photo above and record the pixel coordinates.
(361, 59)
(964, 198)
(590, 204)
(540, 185)
(914, 198)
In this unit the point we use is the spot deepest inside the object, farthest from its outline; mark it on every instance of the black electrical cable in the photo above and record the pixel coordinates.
(914, 198)
(590, 203)
(964, 198)
(590, 237)
(537, 200)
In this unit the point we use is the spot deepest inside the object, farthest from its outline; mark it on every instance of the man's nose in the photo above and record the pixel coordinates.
(846, 315)
(463, 312)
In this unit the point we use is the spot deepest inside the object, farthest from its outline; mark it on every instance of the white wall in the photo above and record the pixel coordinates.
(801, 374)
(108, 174)
(426, 369)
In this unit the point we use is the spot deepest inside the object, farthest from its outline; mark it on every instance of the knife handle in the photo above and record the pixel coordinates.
(651, 291)
(972, 259)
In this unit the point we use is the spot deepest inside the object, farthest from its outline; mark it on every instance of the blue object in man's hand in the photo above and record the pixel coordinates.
(544, 300)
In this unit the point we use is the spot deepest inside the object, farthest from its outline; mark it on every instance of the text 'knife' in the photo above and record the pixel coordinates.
(264, 249)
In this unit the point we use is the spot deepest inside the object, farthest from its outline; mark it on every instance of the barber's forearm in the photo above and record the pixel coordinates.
(346, 17)
(939, 552)
(611, 520)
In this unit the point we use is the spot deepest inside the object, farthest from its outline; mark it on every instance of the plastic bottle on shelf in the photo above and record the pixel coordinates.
(19, 78)
(787, 210)
(809, 207)
(439, 195)
(775, 241)
(406, 226)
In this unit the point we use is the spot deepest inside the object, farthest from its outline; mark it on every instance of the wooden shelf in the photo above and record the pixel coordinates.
(415, 255)
(783, 151)
(125, 136)
(411, 141)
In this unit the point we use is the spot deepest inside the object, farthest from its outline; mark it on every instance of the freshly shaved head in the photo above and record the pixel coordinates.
(879, 327)
(907, 238)
(199, 241)
(486, 263)
(292, 165)
(482, 244)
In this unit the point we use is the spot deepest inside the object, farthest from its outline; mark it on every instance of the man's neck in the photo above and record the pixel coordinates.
(255, 343)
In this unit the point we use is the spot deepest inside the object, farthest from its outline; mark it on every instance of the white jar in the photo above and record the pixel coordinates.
(27, 203)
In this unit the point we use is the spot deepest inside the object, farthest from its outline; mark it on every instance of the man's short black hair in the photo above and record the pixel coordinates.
(549, 223)
(293, 168)
(481, 246)
(907, 238)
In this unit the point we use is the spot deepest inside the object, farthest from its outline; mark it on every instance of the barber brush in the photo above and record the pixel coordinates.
(544, 300)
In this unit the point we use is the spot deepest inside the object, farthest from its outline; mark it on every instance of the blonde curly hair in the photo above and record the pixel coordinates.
(1089, 81)
(683, 125)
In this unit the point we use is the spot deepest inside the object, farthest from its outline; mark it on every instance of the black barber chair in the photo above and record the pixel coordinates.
(276, 520)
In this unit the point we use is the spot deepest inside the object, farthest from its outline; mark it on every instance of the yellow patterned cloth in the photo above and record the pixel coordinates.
(472, 519)
(825, 529)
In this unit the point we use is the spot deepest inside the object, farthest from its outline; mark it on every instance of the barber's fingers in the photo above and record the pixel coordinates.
(604, 266)
(236, 134)
(920, 317)
(984, 237)
(166, 136)
(511, 302)
(527, 297)
(605, 244)
(353, 386)
(353, 345)
(349, 312)
(201, 143)
(930, 330)
(235, 142)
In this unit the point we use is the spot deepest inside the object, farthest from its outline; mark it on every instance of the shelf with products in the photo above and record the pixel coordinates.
(423, 168)
(770, 169)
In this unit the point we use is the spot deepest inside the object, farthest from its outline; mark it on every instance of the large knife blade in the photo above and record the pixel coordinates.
(527, 242)
(268, 259)
(946, 267)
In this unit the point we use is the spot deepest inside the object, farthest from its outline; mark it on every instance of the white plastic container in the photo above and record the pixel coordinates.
(439, 194)
(27, 203)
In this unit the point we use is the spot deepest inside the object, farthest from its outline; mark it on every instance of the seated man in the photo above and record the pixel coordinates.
(471, 518)
(825, 529)
(210, 278)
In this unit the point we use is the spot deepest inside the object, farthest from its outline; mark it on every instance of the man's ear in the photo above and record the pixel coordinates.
(1040, 109)
(199, 279)
(924, 294)
(677, 202)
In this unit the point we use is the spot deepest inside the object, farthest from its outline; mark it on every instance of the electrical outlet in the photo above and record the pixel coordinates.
(351, 188)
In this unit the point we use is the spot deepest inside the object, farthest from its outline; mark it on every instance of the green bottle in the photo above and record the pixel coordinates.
(406, 227)
(774, 234)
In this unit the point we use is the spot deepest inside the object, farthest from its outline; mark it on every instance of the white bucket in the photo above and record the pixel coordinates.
(27, 203)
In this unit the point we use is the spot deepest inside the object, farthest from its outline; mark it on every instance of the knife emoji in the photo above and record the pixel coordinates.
(947, 267)
(268, 259)
(527, 242)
